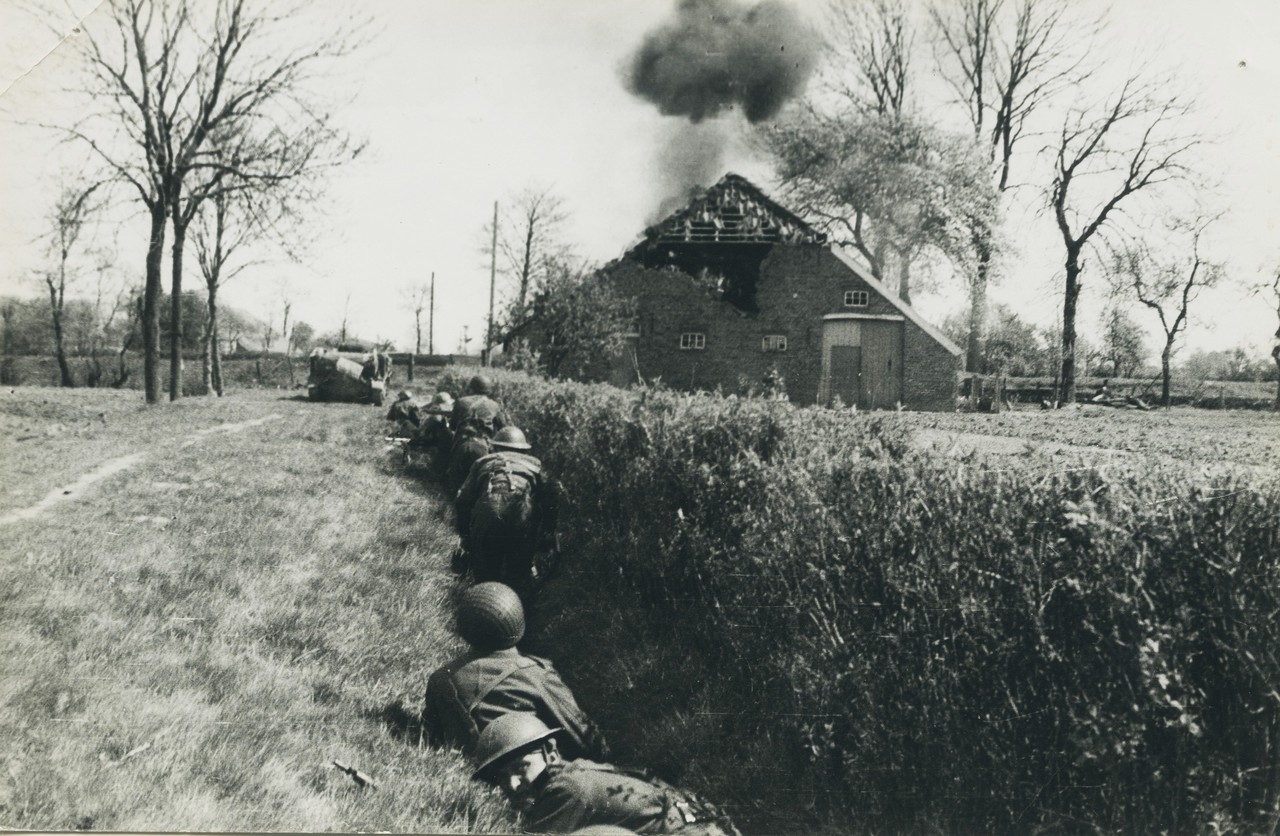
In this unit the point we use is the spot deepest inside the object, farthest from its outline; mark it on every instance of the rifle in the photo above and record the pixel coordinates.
(356, 775)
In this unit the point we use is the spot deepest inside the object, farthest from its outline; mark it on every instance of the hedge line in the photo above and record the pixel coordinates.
(948, 647)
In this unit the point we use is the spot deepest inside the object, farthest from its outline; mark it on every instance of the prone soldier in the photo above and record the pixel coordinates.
(476, 417)
(555, 793)
(432, 435)
(493, 678)
(506, 513)
(406, 412)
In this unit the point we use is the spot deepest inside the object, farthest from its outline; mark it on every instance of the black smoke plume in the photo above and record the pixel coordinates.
(716, 54)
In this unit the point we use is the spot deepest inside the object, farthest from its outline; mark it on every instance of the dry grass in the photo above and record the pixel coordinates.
(1184, 434)
(189, 645)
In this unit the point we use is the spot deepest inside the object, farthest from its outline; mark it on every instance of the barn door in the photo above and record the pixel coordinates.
(846, 373)
(881, 365)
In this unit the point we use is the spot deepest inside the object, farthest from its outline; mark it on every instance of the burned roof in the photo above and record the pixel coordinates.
(733, 211)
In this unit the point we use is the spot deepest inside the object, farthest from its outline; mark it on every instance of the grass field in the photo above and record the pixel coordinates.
(260, 588)
(190, 642)
(1192, 436)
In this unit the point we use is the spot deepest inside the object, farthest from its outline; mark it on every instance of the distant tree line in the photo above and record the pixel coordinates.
(1017, 348)
(105, 335)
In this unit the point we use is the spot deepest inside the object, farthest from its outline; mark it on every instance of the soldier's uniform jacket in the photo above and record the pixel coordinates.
(433, 431)
(470, 692)
(505, 470)
(477, 414)
(406, 410)
(580, 793)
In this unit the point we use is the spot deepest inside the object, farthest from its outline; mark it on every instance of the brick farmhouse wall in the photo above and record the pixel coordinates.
(798, 285)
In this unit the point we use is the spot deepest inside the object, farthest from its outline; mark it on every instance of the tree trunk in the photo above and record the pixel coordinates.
(217, 360)
(978, 307)
(151, 306)
(1275, 355)
(904, 279)
(213, 347)
(1164, 373)
(59, 350)
(175, 316)
(208, 346)
(1068, 391)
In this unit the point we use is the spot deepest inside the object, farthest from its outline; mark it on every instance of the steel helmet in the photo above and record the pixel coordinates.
(507, 734)
(441, 404)
(510, 438)
(405, 395)
(490, 616)
(479, 385)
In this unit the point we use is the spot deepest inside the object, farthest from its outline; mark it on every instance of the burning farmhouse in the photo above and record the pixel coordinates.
(734, 285)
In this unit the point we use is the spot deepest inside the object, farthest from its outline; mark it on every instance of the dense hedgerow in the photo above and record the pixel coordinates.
(954, 648)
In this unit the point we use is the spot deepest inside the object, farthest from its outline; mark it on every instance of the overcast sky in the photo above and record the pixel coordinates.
(464, 103)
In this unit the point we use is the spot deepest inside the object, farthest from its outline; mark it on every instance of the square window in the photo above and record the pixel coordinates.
(691, 341)
(855, 298)
(774, 342)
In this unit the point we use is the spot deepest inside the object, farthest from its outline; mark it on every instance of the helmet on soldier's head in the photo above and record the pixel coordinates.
(441, 404)
(405, 395)
(490, 616)
(510, 438)
(480, 385)
(506, 735)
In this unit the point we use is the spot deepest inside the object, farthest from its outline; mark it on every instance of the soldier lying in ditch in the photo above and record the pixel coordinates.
(557, 793)
(506, 514)
(493, 678)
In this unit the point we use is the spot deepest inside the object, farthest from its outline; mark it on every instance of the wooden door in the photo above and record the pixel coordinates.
(881, 365)
(846, 373)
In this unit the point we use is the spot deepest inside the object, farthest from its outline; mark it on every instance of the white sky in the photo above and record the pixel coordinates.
(464, 103)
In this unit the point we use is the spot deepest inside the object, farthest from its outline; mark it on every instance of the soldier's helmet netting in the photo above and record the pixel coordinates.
(510, 438)
(490, 616)
(507, 735)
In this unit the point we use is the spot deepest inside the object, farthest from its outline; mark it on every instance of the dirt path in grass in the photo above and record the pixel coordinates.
(80, 487)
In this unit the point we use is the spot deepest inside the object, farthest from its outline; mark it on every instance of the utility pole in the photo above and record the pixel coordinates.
(493, 280)
(431, 316)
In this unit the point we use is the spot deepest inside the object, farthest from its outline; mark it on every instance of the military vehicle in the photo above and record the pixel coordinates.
(356, 377)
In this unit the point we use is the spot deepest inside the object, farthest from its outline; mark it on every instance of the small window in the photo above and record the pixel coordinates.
(774, 342)
(690, 341)
(855, 298)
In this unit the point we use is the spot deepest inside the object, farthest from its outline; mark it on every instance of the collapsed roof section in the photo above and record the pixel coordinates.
(726, 231)
(733, 211)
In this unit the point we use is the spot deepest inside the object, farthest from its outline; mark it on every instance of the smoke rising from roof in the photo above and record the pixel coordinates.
(690, 158)
(716, 54)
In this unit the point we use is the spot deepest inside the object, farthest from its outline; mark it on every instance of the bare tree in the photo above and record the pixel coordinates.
(173, 86)
(1269, 289)
(1002, 60)
(1102, 159)
(109, 301)
(891, 186)
(418, 295)
(529, 240)
(895, 188)
(72, 209)
(220, 235)
(1122, 349)
(872, 44)
(1167, 277)
(346, 313)
(8, 312)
